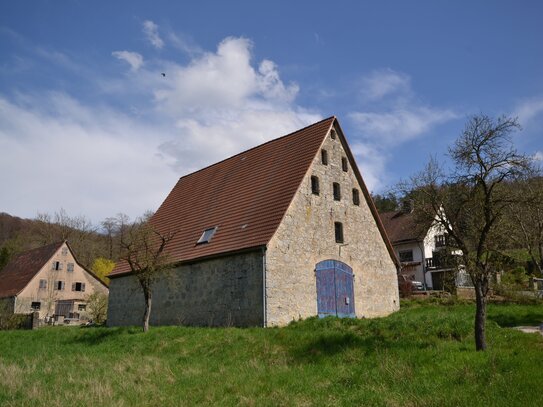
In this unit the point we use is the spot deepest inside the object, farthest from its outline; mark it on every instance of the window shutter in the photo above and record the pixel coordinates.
(73, 286)
(62, 285)
(60, 266)
(82, 286)
(53, 265)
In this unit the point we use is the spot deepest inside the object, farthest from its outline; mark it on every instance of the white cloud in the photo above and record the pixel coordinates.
(401, 124)
(384, 82)
(372, 163)
(538, 156)
(529, 110)
(99, 160)
(150, 29)
(133, 58)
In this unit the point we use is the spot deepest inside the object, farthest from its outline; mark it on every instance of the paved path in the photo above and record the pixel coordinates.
(529, 329)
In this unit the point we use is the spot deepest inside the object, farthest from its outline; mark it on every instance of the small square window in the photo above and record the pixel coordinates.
(406, 256)
(333, 134)
(35, 306)
(338, 228)
(43, 284)
(344, 164)
(59, 285)
(315, 185)
(57, 265)
(337, 191)
(356, 197)
(64, 251)
(324, 157)
(78, 287)
(207, 235)
(82, 307)
(70, 267)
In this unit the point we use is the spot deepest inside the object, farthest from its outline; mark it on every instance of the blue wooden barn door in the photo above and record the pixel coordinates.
(335, 291)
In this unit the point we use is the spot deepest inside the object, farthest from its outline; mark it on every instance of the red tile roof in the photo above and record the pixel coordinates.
(401, 227)
(245, 196)
(19, 271)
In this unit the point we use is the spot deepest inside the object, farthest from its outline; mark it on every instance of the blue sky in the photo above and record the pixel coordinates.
(89, 124)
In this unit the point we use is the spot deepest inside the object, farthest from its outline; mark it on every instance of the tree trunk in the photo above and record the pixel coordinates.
(480, 316)
(147, 314)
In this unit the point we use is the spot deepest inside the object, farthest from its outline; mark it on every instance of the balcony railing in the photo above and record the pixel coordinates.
(433, 263)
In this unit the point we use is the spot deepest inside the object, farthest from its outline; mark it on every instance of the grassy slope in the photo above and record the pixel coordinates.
(422, 355)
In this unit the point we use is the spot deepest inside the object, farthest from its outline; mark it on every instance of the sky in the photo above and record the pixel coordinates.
(89, 123)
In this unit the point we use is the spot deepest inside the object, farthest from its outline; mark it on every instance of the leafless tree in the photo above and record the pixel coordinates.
(143, 249)
(470, 202)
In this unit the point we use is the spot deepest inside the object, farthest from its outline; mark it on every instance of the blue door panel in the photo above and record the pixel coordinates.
(335, 290)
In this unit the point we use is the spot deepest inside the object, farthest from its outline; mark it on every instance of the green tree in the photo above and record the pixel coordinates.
(97, 307)
(102, 267)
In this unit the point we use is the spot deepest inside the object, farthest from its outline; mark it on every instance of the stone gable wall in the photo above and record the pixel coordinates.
(306, 237)
(225, 291)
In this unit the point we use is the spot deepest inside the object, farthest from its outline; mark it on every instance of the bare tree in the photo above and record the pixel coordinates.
(526, 214)
(470, 202)
(143, 249)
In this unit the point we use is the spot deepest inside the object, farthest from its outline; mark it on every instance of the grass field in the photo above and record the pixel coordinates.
(420, 356)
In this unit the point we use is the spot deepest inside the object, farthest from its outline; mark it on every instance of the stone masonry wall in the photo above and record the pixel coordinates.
(306, 237)
(225, 291)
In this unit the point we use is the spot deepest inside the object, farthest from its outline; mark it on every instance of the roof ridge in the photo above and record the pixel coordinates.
(257, 146)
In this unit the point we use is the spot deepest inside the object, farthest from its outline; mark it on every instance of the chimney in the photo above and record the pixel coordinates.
(408, 205)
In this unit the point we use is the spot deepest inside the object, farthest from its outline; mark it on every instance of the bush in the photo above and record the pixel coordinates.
(97, 307)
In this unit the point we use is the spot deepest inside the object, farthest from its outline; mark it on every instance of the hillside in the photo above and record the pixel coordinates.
(422, 355)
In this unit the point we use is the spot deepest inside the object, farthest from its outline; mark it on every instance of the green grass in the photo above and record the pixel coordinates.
(421, 356)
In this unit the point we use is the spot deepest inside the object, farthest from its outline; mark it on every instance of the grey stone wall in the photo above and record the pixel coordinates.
(306, 237)
(225, 291)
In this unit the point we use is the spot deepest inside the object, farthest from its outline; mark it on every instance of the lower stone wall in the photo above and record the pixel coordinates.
(225, 291)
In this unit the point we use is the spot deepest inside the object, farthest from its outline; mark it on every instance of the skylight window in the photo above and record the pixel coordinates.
(207, 235)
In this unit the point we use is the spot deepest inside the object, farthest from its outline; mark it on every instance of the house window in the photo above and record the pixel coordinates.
(337, 191)
(64, 251)
(314, 185)
(207, 235)
(333, 134)
(344, 164)
(59, 285)
(440, 241)
(356, 197)
(43, 284)
(57, 265)
(35, 306)
(78, 287)
(324, 157)
(82, 307)
(406, 256)
(70, 267)
(338, 228)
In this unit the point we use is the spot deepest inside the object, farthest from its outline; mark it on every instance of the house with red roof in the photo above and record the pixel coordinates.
(282, 231)
(421, 249)
(48, 280)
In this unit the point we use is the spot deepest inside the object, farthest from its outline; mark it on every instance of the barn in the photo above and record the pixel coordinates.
(283, 231)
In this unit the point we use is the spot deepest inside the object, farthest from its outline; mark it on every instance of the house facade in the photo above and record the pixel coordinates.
(283, 231)
(48, 280)
(420, 249)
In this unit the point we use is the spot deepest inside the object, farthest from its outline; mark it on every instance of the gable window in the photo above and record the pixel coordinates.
(344, 164)
(70, 267)
(59, 285)
(338, 228)
(64, 251)
(324, 157)
(57, 265)
(333, 134)
(78, 287)
(207, 235)
(440, 241)
(315, 185)
(43, 284)
(406, 255)
(35, 306)
(356, 197)
(337, 191)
